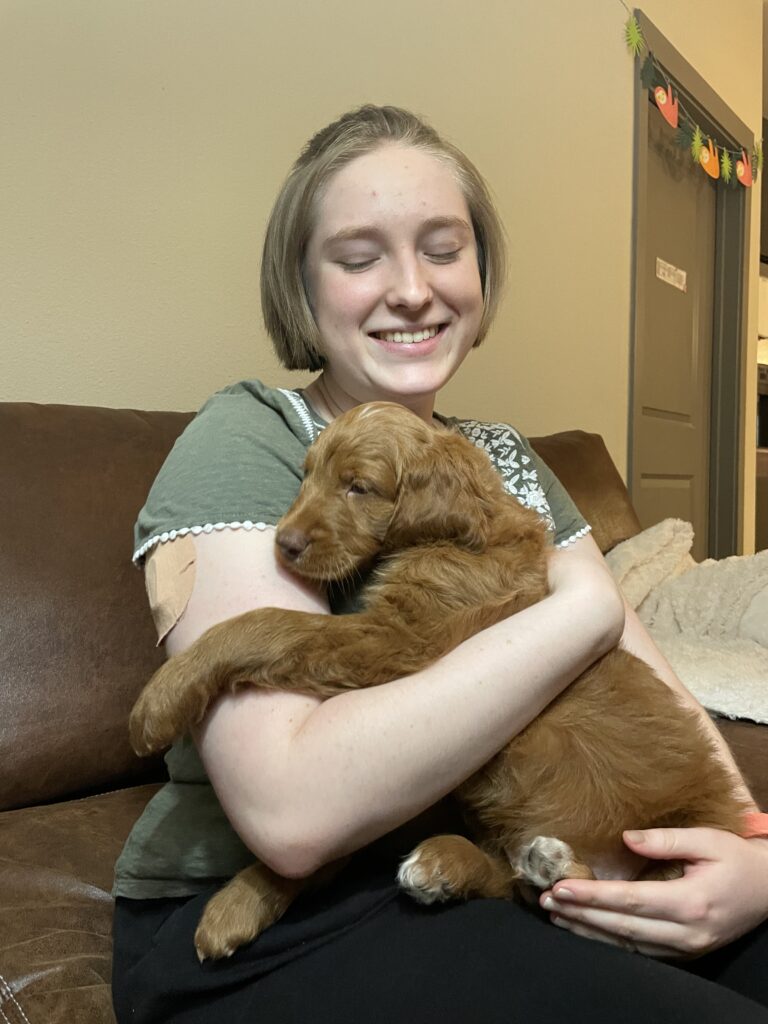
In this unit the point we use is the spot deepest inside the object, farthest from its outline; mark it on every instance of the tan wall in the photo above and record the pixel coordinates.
(145, 141)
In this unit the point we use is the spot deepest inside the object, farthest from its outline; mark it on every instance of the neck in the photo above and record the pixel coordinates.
(331, 400)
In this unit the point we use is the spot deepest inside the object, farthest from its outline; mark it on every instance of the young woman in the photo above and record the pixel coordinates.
(382, 267)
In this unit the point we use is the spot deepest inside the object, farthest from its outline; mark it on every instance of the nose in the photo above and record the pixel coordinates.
(409, 287)
(291, 542)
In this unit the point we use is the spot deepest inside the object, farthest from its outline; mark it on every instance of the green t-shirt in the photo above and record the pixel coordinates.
(238, 465)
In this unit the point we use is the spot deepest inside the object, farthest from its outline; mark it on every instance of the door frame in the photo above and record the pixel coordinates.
(732, 231)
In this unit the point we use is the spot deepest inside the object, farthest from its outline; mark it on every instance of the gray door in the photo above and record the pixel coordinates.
(673, 344)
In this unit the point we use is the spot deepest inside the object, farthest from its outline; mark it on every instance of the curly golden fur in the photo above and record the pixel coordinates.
(454, 553)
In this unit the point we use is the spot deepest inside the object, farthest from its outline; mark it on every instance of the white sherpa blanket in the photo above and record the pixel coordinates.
(724, 600)
(710, 620)
(657, 554)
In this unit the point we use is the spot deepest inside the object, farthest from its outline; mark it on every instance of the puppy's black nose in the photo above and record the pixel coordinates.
(292, 543)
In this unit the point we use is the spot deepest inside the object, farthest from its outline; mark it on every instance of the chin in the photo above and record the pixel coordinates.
(419, 381)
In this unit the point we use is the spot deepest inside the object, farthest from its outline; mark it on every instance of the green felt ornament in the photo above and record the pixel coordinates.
(726, 165)
(697, 144)
(633, 35)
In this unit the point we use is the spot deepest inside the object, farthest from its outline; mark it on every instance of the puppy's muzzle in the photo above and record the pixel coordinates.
(291, 543)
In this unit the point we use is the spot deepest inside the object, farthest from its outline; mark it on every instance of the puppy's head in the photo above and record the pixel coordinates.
(379, 479)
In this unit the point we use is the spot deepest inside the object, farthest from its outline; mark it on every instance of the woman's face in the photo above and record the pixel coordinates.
(393, 278)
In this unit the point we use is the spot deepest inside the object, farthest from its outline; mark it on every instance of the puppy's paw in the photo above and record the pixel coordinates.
(171, 702)
(229, 922)
(445, 867)
(545, 860)
(419, 875)
(217, 941)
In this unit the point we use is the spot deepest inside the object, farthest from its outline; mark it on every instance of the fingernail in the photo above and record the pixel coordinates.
(635, 837)
(562, 894)
(548, 903)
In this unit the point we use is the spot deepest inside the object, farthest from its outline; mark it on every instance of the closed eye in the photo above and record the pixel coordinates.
(357, 487)
(444, 257)
(355, 266)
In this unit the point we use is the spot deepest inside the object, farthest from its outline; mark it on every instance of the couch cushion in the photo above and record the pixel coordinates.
(585, 468)
(55, 906)
(77, 639)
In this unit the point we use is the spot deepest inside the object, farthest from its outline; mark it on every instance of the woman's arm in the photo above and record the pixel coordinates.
(305, 782)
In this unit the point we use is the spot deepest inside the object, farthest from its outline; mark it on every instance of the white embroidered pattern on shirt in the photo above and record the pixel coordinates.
(505, 448)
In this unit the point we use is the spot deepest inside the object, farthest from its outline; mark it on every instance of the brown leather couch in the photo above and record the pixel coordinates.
(76, 645)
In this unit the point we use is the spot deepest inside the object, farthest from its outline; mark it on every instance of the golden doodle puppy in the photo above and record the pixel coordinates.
(454, 553)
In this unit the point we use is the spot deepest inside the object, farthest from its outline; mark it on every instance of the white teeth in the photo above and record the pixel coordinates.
(407, 338)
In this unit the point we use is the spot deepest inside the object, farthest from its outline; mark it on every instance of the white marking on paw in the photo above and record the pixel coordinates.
(414, 879)
(543, 861)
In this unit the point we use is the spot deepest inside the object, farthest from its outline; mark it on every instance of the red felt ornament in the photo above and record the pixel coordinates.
(664, 102)
(744, 170)
(708, 160)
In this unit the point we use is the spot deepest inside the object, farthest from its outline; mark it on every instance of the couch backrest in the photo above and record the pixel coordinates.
(77, 642)
(585, 468)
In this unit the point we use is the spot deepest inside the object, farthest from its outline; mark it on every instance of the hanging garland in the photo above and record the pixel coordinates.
(731, 166)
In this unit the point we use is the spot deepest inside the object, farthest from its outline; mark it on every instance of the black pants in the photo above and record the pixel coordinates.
(358, 952)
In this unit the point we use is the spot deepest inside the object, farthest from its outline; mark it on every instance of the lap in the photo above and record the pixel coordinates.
(359, 951)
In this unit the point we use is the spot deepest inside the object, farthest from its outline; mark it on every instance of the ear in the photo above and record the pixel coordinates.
(444, 493)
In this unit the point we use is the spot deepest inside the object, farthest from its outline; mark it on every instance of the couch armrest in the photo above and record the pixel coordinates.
(749, 745)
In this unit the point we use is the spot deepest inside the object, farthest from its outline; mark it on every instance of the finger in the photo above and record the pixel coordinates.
(654, 900)
(626, 927)
(676, 843)
(652, 949)
(655, 928)
(636, 932)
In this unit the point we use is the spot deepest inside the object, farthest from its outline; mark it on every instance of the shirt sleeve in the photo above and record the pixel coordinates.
(238, 464)
(569, 523)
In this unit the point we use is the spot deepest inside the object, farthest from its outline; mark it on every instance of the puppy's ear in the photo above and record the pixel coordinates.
(445, 492)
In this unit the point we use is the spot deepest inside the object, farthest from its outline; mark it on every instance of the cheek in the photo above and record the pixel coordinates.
(463, 287)
(344, 298)
(377, 517)
(473, 289)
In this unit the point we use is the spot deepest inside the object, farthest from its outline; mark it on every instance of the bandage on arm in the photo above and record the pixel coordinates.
(169, 576)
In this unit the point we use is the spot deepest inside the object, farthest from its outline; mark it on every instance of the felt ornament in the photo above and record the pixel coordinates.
(744, 170)
(726, 166)
(708, 160)
(667, 106)
(649, 77)
(697, 144)
(633, 36)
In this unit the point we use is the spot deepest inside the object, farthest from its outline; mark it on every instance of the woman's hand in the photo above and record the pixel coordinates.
(723, 894)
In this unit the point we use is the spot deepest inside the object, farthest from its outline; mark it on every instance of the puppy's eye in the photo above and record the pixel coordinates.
(356, 487)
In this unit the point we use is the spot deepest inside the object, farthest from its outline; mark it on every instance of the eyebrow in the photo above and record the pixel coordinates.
(370, 231)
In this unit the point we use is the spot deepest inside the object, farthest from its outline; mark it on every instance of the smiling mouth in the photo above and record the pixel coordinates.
(408, 337)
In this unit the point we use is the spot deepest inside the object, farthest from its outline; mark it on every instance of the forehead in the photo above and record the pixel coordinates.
(393, 181)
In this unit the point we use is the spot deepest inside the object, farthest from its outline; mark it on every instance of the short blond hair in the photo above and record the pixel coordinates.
(285, 301)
